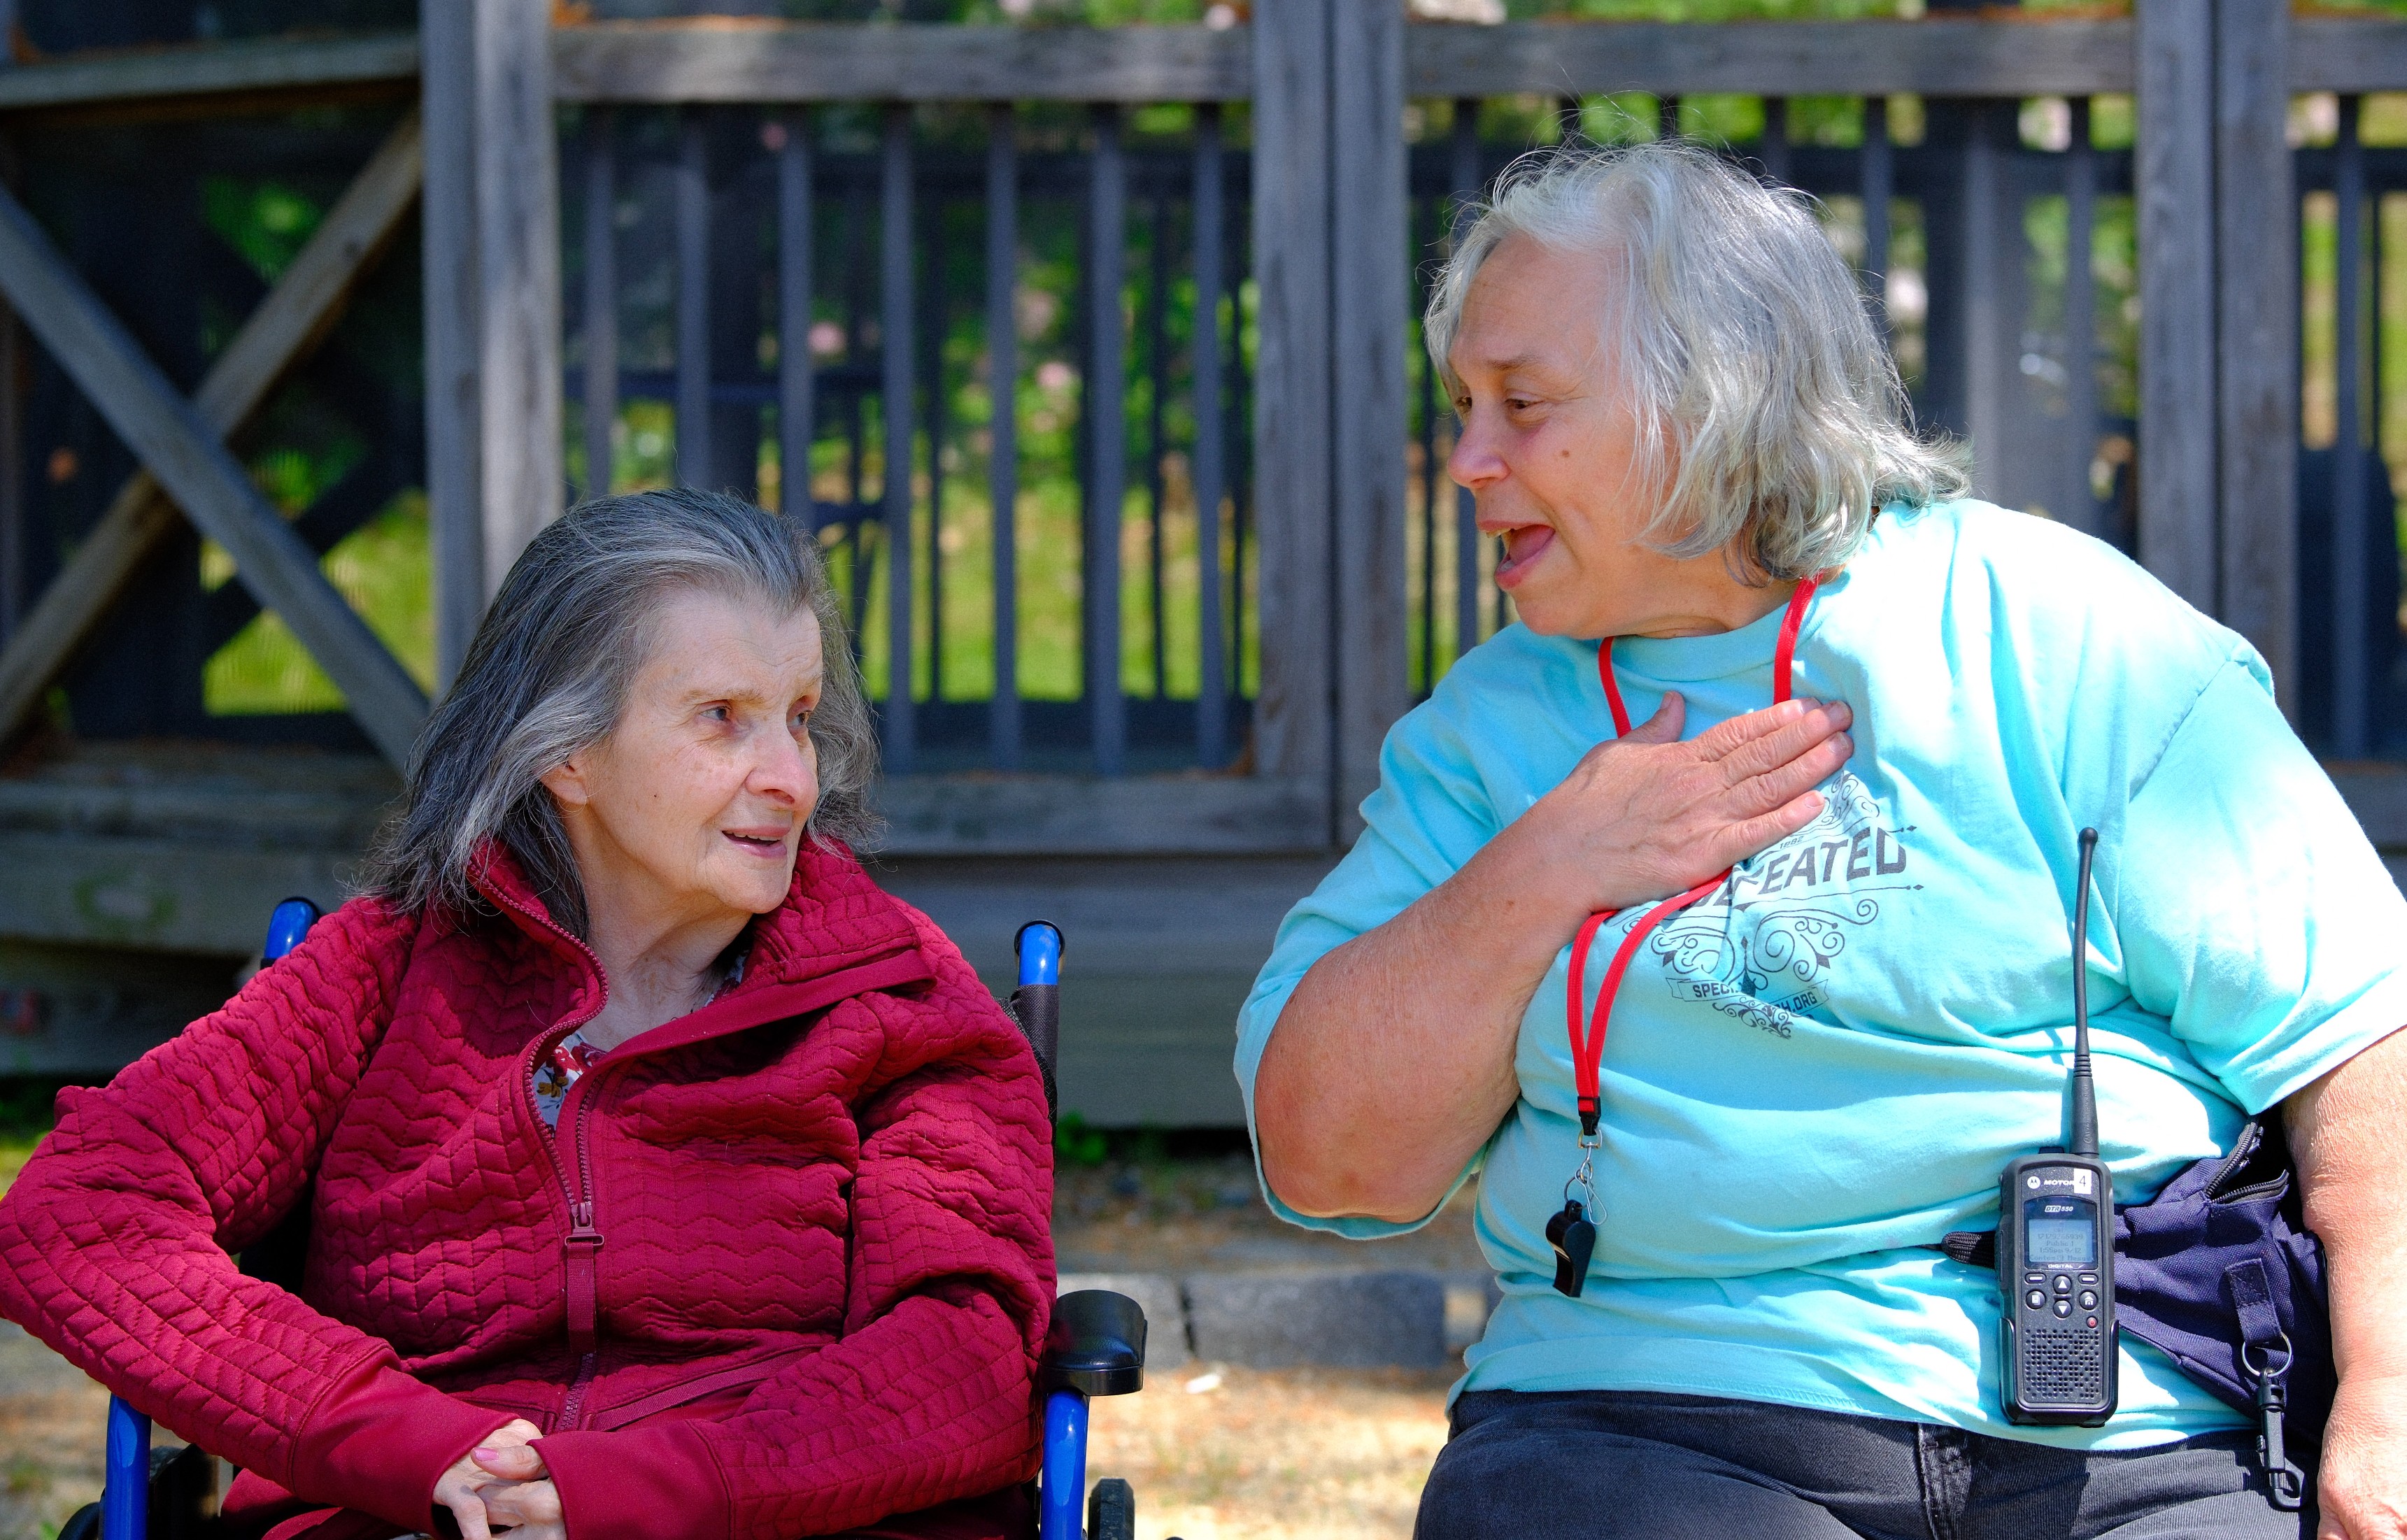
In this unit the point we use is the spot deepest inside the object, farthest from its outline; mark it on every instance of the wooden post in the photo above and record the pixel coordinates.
(453, 436)
(601, 298)
(1292, 376)
(2256, 336)
(2175, 185)
(494, 464)
(518, 260)
(1370, 298)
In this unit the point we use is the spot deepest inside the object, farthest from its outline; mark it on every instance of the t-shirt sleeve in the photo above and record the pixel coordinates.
(1429, 815)
(2251, 910)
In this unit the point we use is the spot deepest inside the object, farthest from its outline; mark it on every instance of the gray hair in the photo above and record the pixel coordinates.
(1769, 412)
(548, 674)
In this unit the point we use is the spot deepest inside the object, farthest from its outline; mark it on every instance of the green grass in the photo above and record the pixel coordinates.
(25, 1118)
(384, 568)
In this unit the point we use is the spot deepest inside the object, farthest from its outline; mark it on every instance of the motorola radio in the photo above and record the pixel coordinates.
(2056, 1244)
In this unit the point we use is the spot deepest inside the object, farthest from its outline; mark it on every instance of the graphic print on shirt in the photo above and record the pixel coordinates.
(1761, 949)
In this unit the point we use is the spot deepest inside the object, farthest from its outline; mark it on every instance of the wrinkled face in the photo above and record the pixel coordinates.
(696, 803)
(1548, 446)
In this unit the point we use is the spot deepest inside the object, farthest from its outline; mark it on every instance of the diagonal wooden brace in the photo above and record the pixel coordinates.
(180, 446)
(299, 310)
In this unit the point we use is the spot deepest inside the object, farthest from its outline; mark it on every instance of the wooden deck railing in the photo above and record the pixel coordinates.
(881, 187)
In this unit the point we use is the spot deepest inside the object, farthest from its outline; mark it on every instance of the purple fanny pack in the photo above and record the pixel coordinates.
(2220, 1274)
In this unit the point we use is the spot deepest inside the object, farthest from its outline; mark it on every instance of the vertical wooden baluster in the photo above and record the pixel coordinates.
(1774, 154)
(600, 299)
(1107, 447)
(2081, 322)
(1211, 684)
(1003, 388)
(856, 267)
(894, 405)
(797, 407)
(1156, 363)
(1465, 177)
(1876, 172)
(931, 321)
(693, 299)
(1237, 441)
(2352, 666)
(2173, 172)
(1427, 400)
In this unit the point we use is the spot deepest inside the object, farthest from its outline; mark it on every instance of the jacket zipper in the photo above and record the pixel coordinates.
(580, 1248)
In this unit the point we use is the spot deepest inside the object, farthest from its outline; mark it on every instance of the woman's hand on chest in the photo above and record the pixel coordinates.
(1647, 815)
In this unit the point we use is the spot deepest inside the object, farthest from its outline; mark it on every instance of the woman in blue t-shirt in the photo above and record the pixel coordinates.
(1892, 709)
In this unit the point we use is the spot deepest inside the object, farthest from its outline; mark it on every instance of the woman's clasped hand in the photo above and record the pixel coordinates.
(501, 1486)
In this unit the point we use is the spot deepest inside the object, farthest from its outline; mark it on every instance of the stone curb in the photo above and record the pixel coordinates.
(1348, 1318)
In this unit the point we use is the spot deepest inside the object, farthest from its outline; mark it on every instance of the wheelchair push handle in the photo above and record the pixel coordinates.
(1039, 947)
(287, 927)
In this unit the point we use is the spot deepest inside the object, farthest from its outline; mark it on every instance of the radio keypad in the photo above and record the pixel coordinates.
(2062, 1283)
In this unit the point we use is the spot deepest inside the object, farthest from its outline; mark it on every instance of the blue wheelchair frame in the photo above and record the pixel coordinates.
(1094, 1347)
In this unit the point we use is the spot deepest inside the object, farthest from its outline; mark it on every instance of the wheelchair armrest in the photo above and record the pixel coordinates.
(1095, 1345)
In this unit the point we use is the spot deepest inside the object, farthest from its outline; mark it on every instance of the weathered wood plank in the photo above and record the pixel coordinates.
(1293, 732)
(2348, 53)
(211, 69)
(730, 59)
(1370, 292)
(1059, 815)
(521, 462)
(159, 895)
(1937, 57)
(2256, 336)
(1102, 406)
(287, 324)
(191, 462)
(2175, 176)
(897, 740)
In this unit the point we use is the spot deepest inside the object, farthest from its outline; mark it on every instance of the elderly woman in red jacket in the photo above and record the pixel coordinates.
(665, 1177)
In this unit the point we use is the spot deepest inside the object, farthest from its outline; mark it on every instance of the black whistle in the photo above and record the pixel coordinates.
(2286, 1484)
(1574, 1239)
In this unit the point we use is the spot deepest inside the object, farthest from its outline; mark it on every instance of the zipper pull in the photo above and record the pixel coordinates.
(580, 1285)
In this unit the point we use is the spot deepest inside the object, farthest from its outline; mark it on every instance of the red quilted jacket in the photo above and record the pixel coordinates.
(783, 1270)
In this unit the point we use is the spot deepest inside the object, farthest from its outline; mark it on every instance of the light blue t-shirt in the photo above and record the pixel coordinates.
(1815, 1074)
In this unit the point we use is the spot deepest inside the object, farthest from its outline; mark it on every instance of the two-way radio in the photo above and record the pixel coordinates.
(2056, 1244)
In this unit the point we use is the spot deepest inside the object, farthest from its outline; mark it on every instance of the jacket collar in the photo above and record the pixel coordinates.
(834, 919)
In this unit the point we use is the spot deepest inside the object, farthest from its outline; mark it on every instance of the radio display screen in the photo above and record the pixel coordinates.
(2062, 1232)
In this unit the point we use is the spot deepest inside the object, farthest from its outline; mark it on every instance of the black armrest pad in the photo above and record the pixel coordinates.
(1095, 1344)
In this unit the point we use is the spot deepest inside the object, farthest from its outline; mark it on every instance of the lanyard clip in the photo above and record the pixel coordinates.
(1589, 1113)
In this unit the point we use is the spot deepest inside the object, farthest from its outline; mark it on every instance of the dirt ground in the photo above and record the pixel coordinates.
(1215, 1452)
(50, 1420)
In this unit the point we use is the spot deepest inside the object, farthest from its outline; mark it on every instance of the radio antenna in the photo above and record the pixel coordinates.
(2085, 1094)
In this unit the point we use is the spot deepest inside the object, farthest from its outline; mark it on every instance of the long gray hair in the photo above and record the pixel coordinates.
(547, 677)
(1771, 419)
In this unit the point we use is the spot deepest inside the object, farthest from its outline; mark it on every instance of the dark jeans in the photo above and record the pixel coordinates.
(1599, 1463)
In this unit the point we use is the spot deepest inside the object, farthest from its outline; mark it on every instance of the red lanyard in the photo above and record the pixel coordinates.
(1588, 1045)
